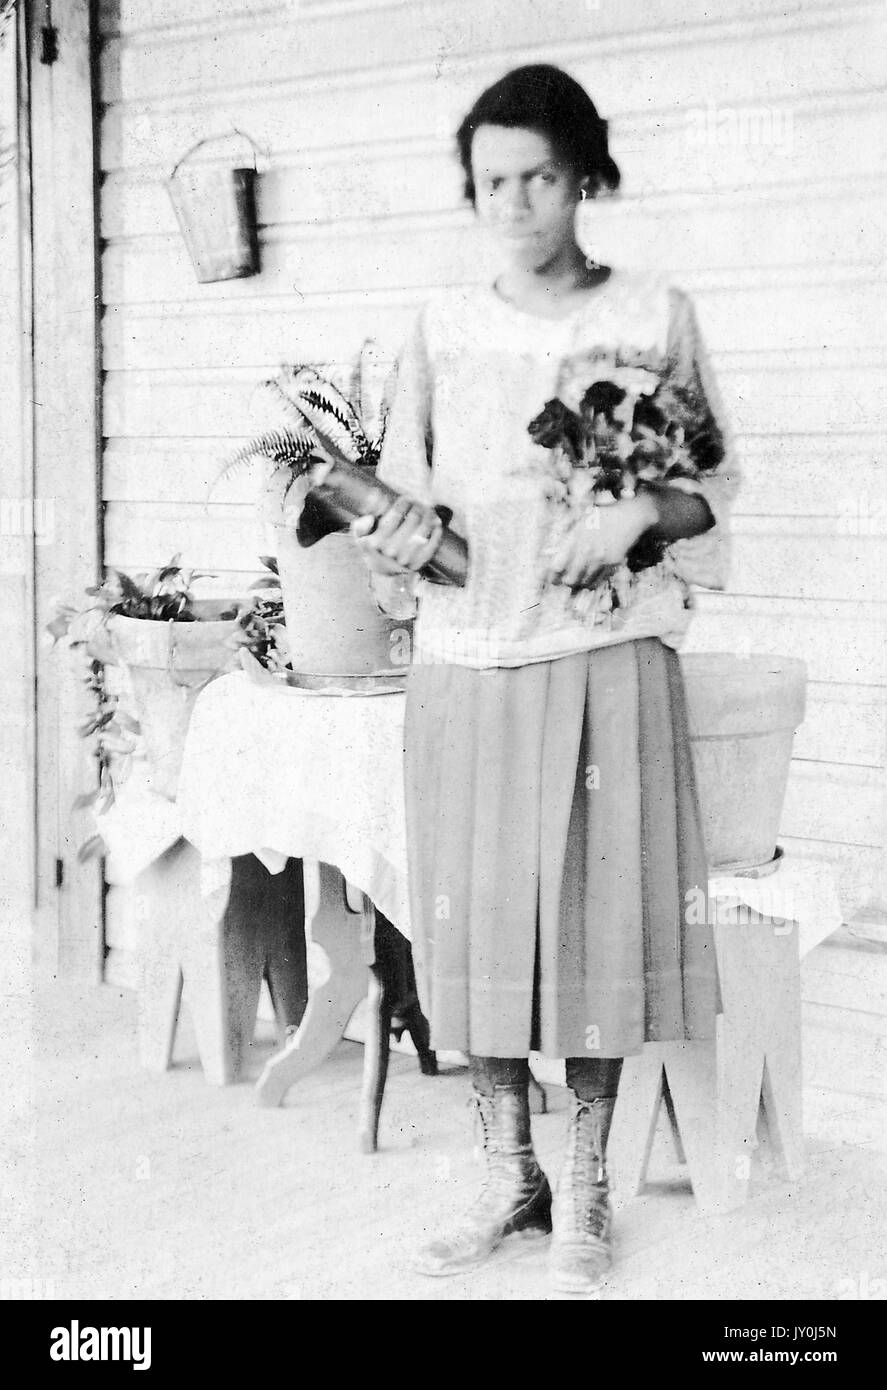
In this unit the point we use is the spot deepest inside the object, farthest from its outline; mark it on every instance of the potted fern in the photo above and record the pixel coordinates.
(323, 454)
(169, 644)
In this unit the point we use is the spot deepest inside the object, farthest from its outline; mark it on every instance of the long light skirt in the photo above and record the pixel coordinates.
(556, 859)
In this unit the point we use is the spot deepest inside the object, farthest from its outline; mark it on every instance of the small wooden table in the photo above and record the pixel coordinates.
(218, 948)
(282, 774)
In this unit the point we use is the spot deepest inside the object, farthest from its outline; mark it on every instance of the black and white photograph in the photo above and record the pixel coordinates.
(443, 549)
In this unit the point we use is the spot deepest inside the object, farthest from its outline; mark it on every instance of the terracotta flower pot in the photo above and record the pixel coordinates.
(743, 713)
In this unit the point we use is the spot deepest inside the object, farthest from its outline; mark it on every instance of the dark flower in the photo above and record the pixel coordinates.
(601, 398)
(610, 479)
(557, 425)
(681, 469)
(646, 553)
(699, 430)
(705, 446)
(648, 416)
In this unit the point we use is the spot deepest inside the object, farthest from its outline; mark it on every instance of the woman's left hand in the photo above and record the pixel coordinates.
(601, 540)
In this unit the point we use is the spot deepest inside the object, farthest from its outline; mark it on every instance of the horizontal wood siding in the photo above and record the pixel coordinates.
(750, 137)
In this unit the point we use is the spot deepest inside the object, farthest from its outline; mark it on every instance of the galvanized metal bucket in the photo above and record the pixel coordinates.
(334, 626)
(167, 665)
(216, 210)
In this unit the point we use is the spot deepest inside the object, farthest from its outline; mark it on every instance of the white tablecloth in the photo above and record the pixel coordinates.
(801, 894)
(278, 772)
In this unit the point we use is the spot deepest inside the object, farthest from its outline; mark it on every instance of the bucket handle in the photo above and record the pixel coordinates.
(170, 659)
(170, 662)
(208, 140)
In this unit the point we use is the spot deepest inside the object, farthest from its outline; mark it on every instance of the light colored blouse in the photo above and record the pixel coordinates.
(473, 373)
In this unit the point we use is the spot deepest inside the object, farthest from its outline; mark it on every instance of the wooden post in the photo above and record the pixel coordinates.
(66, 429)
(17, 520)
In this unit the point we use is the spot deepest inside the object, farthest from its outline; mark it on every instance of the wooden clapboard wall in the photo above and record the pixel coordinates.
(750, 140)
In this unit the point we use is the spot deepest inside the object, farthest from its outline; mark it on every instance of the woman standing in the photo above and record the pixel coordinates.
(552, 819)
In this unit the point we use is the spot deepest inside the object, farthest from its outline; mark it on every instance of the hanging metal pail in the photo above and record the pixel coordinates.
(216, 210)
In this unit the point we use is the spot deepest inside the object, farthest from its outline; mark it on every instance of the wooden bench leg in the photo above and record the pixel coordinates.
(416, 1024)
(243, 949)
(286, 967)
(731, 1097)
(343, 933)
(393, 1006)
(263, 934)
(213, 951)
(639, 1106)
(335, 933)
(377, 1049)
(759, 1051)
(408, 1015)
(181, 952)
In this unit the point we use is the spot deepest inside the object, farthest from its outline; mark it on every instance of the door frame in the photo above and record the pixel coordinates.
(65, 426)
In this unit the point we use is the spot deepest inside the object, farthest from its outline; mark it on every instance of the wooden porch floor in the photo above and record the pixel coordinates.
(130, 1185)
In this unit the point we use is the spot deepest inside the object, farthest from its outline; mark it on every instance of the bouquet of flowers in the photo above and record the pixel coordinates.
(652, 429)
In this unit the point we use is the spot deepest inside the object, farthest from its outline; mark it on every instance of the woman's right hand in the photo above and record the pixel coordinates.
(402, 540)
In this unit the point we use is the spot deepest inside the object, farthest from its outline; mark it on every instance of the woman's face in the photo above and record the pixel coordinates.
(524, 196)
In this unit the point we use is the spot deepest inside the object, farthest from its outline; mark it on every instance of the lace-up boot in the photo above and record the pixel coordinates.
(581, 1247)
(514, 1198)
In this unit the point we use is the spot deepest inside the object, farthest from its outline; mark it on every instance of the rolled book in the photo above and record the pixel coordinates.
(344, 491)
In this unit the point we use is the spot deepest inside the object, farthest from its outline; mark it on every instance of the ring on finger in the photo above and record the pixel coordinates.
(420, 538)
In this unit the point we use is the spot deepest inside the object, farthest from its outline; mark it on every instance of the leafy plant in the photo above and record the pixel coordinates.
(115, 733)
(162, 596)
(317, 418)
(262, 621)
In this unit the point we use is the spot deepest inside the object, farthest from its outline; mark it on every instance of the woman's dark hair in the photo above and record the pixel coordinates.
(545, 99)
